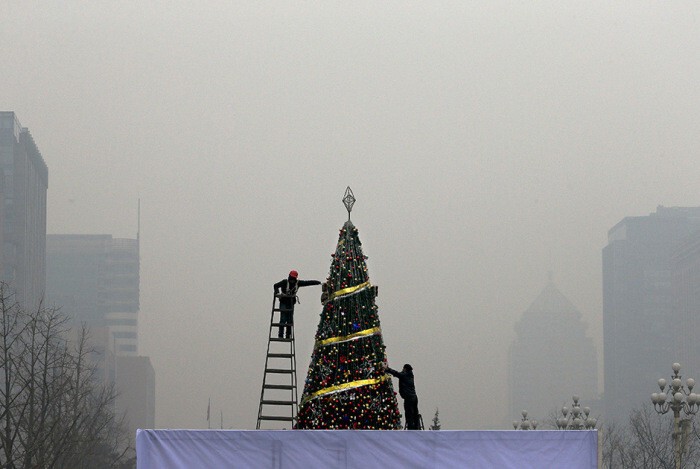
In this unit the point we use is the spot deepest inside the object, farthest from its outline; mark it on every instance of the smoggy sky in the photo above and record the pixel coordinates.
(487, 143)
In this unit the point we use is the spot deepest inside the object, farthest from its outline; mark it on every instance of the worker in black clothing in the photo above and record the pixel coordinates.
(289, 288)
(407, 390)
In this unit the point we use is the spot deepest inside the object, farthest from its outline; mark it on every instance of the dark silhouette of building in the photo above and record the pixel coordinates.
(551, 358)
(644, 270)
(23, 188)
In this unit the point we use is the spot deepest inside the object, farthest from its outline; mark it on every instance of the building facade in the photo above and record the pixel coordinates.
(648, 264)
(551, 358)
(95, 279)
(136, 399)
(23, 187)
(685, 281)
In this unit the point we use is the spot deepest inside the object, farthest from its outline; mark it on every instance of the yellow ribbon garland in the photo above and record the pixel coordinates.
(332, 340)
(343, 387)
(346, 338)
(348, 290)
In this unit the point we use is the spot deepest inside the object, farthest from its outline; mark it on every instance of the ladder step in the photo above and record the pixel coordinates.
(279, 386)
(278, 402)
(277, 370)
(276, 417)
(280, 355)
(279, 339)
(278, 324)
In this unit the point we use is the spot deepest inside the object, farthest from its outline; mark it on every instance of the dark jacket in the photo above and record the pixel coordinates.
(287, 287)
(407, 388)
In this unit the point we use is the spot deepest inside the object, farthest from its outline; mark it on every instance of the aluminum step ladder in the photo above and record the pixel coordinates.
(278, 397)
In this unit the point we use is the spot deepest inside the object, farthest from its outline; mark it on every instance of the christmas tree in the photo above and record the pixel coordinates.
(346, 386)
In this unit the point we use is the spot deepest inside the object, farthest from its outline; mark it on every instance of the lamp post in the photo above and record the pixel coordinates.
(576, 418)
(676, 398)
(525, 423)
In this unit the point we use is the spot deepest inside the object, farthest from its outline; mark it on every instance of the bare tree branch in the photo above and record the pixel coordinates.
(54, 412)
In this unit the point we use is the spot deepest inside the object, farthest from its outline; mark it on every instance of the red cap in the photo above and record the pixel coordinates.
(294, 274)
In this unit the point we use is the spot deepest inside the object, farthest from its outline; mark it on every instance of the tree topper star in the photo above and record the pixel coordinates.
(349, 200)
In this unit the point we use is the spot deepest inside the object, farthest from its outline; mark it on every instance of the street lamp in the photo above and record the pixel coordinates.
(576, 418)
(525, 423)
(677, 398)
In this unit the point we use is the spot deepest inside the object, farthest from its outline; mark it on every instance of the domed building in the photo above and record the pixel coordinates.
(551, 359)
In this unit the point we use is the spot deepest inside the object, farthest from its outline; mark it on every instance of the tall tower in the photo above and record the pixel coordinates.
(23, 188)
(95, 279)
(640, 303)
(551, 358)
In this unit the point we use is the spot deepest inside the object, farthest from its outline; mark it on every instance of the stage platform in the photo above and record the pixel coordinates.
(365, 449)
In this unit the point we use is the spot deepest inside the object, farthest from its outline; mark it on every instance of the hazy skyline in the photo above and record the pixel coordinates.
(487, 143)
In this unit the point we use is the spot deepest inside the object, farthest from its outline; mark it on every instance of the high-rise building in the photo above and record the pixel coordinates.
(686, 293)
(95, 279)
(641, 304)
(23, 188)
(551, 358)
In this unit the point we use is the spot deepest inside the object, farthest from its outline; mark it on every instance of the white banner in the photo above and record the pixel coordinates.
(365, 449)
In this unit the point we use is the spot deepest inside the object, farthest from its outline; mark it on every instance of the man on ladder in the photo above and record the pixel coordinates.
(288, 299)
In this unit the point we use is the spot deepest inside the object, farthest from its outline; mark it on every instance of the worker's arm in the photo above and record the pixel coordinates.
(308, 283)
(278, 286)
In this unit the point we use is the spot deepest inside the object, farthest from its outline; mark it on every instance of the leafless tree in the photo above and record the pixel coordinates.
(54, 413)
(646, 442)
(436, 420)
